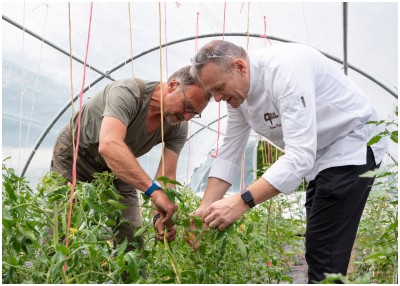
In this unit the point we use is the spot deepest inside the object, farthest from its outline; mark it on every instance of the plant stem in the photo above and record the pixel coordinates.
(35, 207)
(55, 226)
(98, 273)
(64, 276)
(174, 264)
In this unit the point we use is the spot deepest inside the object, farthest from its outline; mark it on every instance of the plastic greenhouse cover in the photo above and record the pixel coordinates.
(36, 78)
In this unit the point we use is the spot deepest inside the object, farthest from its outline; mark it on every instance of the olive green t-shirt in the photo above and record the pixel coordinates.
(121, 99)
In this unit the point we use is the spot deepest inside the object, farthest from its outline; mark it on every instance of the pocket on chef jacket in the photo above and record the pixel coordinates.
(293, 112)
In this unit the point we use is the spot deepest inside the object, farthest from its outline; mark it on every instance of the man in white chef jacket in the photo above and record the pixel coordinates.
(297, 98)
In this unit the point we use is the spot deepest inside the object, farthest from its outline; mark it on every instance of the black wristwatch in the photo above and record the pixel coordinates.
(155, 218)
(248, 198)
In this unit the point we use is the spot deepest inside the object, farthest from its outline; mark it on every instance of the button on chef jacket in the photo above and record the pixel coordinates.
(304, 104)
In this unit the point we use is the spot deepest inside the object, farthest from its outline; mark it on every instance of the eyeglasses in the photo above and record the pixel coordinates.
(187, 108)
(200, 59)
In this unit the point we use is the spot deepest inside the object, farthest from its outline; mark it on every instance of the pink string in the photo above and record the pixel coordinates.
(265, 32)
(196, 47)
(219, 103)
(75, 156)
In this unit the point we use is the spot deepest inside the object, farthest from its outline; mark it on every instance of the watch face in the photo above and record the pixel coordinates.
(248, 199)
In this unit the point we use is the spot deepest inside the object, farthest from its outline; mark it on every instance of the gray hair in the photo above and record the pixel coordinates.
(217, 51)
(184, 76)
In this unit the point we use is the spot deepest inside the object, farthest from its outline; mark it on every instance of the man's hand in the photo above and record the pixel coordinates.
(159, 227)
(164, 206)
(222, 213)
(190, 237)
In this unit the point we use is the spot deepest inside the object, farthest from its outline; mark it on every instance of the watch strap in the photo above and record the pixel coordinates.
(154, 186)
(248, 198)
(155, 218)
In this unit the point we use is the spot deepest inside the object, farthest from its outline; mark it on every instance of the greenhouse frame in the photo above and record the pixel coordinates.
(57, 55)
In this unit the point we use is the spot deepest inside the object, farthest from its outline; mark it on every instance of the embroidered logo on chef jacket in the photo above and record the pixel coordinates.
(270, 117)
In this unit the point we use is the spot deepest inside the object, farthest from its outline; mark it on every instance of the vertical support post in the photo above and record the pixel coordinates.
(345, 37)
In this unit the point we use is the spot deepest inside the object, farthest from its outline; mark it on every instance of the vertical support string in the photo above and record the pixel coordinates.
(219, 103)
(247, 48)
(265, 33)
(305, 23)
(22, 91)
(70, 76)
(223, 24)
(161, 91)
(248, 26)
(130, 37)
(196, 47)
(243, 167)
(133, 76)
(166, 41)
(36, 76)
(75, 155)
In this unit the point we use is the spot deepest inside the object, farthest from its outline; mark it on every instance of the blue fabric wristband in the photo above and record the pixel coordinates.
(154, 186)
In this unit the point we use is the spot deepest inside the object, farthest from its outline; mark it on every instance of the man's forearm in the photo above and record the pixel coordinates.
(216, 189)
(262, 190)
(125, 165)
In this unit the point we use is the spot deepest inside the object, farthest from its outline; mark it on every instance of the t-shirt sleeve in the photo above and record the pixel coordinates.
(122, 103)
(177, 138)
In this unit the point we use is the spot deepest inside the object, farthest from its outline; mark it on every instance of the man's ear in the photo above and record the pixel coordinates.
(172, 85)
(240, 65)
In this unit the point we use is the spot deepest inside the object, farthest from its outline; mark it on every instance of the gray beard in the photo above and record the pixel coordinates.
(170, 122)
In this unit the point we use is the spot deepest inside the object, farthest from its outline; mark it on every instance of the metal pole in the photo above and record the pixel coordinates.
(345, 37)
(5, 18)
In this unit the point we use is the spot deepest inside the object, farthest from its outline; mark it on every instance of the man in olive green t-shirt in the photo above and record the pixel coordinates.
(123, 122)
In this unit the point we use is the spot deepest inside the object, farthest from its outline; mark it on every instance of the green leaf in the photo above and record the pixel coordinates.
(77, 216)
(198, 222)
(241, 247)
(56, 198)
(250, 228)
(63, 190)
(117, 205)
(13, 261)
(90, 191)
(133, 266)
(6, 213)
(254, 216)
(110, 222)
(377, 255)
(121, 247)
(220, 234)
(202, 274)
(96, 206)
(141, 231)
(63, 249)
(10, 191)
(111, 193)
(374, 140)
(393, 136)
(166, 181)
(26, 232)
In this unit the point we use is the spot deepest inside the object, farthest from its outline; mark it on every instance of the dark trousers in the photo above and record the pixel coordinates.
(334, 204)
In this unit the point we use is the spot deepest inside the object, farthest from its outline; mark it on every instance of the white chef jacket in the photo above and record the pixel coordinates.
(303, 103)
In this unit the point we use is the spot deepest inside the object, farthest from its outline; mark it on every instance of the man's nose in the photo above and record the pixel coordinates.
(187, 116)
(217, 96)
